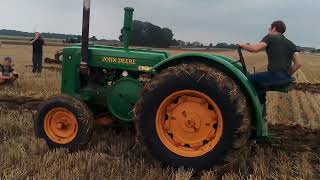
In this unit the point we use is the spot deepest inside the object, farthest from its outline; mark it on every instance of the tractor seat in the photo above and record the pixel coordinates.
(271, 81)
(280, 86)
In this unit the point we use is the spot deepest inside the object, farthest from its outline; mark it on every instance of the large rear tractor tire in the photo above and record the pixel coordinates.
(193, 115)
(64, 122)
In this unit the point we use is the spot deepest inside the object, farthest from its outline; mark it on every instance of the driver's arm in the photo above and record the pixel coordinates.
(4, 77)
(296, 62)
(13, 71)
(254, 47)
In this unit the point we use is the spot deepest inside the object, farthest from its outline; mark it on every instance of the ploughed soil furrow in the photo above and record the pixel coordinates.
(306, 87)
(52, 61)
(296, 138)
(20, 103)
(49, 68)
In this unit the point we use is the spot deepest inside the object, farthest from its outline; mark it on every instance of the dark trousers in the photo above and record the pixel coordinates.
(265, 81)
(37, 62)
(7, 82)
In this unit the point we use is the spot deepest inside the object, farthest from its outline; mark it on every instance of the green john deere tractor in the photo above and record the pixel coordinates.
(193, 110)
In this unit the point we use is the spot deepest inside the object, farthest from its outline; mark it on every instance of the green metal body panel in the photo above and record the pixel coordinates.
(232, 61)
(70, 77)
(228, 66)
(105, 57)
(131, 59)
(97, 97)
(122, 97)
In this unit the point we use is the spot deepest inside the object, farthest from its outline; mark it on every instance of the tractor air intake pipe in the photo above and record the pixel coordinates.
(85, 33)
(127, 26)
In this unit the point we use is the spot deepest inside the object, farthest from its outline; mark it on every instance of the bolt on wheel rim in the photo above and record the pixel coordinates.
(60, 125)
(189, 123)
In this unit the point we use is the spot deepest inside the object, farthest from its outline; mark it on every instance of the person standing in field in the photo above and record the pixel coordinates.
(37, 51)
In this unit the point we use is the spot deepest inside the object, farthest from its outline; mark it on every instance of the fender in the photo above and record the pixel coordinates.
(224, 64)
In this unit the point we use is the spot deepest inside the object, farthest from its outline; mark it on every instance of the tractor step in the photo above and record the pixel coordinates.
(267, 140)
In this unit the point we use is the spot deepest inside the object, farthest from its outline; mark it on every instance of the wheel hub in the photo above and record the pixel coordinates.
(60, 125)
(187, 123)
(191, 122)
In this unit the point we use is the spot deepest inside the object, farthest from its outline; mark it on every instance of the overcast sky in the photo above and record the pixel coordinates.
(206, 21)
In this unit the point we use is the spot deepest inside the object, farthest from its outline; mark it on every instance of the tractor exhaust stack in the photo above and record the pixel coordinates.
(127, 25)
(85, 32)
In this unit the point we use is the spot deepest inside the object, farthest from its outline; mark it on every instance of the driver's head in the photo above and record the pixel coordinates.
(277, 27)
(7, 61)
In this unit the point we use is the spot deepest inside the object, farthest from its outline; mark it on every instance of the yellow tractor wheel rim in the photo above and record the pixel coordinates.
(60, 125)
(189, 123)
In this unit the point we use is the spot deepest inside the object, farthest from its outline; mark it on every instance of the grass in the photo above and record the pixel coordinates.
(22, 156)
(46, 85)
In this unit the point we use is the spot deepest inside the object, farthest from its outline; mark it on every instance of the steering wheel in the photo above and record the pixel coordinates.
(241, 60)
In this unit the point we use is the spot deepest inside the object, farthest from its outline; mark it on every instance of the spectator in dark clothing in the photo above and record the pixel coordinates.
(37, 44)
(7, 73)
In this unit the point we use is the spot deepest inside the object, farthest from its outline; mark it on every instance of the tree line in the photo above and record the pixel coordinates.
(150, 35)
(6, 32)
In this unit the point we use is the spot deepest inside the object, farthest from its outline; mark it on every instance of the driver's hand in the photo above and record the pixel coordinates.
(242, 45)
(12, 77)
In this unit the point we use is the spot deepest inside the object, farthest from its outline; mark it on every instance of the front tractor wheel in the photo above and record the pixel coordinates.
(64, 122)
(193, 115)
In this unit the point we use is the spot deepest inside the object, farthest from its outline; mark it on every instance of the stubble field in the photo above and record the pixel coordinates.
(294, 120)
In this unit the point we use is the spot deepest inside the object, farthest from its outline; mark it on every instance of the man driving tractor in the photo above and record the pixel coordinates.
(7, 73)
(283, 62)
(283, 59)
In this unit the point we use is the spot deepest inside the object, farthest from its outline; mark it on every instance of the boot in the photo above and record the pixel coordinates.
(266, 139)
(8, 84)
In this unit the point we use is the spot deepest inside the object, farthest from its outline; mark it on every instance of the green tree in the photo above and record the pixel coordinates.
(147, 34)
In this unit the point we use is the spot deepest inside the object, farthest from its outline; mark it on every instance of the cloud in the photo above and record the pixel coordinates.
(191, 20)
